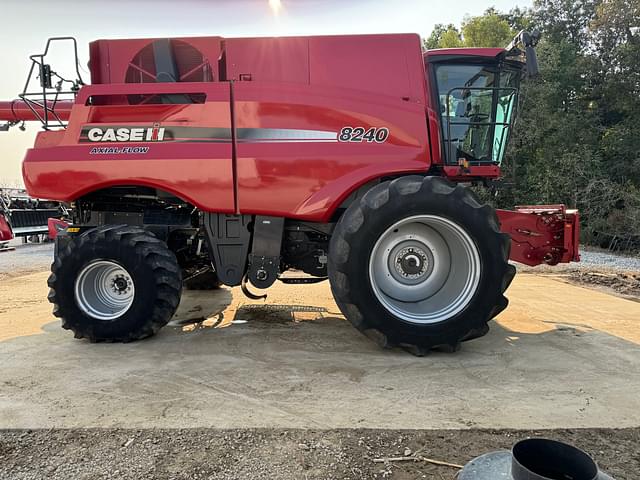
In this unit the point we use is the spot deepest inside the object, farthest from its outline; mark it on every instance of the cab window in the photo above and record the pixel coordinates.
(476, 105)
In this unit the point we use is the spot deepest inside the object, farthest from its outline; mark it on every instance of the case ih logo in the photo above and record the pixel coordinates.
(123, 134)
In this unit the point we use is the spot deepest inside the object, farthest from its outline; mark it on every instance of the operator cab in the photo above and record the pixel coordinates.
(476, 96)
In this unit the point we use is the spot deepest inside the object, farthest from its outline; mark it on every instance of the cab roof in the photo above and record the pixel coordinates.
(467, 52)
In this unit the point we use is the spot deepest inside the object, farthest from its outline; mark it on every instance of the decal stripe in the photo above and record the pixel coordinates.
(221, 135)
(290, 134)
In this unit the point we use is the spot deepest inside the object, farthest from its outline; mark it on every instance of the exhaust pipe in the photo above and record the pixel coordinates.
(534, 459)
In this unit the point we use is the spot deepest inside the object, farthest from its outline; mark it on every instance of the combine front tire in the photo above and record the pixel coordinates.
(420, 263)
(115, 283)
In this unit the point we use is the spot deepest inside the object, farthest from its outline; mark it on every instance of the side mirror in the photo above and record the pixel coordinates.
(529, 42)
(532, 62)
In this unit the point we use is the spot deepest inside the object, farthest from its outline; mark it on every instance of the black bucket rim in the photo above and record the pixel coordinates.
(526, 464)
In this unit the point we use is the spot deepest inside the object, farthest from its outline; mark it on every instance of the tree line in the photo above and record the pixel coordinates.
(577, 138)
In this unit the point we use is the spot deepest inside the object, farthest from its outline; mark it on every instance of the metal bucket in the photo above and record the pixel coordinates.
(534, 459)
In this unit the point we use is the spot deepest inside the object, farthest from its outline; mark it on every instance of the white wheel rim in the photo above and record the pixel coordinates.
(104, 290)
(424, 269)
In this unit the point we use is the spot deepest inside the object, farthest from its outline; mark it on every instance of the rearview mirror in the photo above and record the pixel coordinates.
(532, 61)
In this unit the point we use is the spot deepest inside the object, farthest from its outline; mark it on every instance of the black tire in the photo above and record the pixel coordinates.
(363, 224)
(153, 269)
(205, 281)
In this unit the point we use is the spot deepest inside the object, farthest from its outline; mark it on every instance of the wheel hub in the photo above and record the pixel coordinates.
(121, 284)
(411, 262)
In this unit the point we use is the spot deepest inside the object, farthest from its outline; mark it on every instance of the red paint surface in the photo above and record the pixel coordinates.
(309, 180)
(375, 81)
(457, 173)
(19, 111)
(466, 52)
(6, 233)
(200, 173)
(55, 226)
(111, 59)
(542, 234)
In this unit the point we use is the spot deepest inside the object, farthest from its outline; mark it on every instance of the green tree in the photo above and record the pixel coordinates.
(451, 39)
(565, 20)
(443, 36)
(488, 30)
(435, 40)
(517, 18)
(578, 140)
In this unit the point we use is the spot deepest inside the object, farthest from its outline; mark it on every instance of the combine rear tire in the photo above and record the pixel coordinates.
(115, 283)
(420, 263)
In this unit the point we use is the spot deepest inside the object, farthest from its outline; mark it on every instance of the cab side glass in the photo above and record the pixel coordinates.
(477, 103)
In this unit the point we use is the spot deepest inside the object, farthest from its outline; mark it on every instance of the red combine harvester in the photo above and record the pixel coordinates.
(200, 161)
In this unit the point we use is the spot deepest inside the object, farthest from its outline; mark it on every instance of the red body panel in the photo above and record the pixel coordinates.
(318, 175)
(201, 173)
(112, 59)
(301, 84)
(466, 52)
(6, 233)
(55, 226)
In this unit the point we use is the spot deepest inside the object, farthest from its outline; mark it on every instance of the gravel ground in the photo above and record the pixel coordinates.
(591, 259)
(281, 454)
(610, 272)
(597, 258)
(26, 258)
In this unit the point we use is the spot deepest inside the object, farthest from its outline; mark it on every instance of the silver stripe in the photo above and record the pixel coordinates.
(284, 134)
(301, 140)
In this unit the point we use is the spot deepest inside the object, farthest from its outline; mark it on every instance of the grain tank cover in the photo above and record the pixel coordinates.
(388, 64)
(132, 60)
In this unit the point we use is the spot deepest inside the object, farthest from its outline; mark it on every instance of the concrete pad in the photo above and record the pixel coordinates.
(560, 356)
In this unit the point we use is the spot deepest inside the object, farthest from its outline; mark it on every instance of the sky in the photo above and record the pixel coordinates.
(28, 23)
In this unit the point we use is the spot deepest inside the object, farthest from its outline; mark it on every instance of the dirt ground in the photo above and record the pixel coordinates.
(235, 388)
(249, 454)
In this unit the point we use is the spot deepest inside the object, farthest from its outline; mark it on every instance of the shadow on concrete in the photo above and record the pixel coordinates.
(206, 313)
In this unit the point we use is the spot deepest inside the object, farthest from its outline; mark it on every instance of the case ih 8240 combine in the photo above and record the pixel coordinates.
(232, 160)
